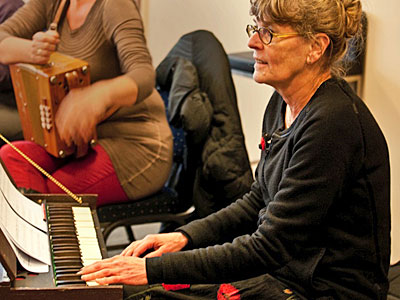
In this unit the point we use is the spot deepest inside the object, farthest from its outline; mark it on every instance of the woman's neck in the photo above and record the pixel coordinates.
(78, 11)
(299, 93)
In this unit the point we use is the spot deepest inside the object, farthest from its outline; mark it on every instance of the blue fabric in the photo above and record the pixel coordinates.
(178, 133)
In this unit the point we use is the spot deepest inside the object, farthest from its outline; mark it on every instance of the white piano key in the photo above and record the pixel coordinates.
(92, 283)
(87, 237)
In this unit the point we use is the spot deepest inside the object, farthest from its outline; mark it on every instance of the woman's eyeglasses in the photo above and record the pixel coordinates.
(266, 34)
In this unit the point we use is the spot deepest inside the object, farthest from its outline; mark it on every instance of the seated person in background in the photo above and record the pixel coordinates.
(316, 222)
(133, 156)
(10, 125)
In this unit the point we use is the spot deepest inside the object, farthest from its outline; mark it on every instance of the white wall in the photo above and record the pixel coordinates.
(167, 20)
(382, 90)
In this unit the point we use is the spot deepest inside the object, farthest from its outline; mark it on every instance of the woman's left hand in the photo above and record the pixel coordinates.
(44, 43)
(118, 269)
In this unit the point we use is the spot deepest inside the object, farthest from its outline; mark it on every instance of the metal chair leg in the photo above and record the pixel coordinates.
(129, 232)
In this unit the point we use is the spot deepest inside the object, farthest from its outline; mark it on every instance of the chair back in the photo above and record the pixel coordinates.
(202, 101)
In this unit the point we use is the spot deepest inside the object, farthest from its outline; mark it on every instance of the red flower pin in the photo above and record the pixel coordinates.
(262, 145)
(175, 287)
(228, 292)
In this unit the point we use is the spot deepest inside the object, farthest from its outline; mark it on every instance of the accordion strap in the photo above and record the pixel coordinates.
(54, 24)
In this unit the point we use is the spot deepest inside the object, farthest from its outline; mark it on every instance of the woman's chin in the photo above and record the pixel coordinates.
(260, 78)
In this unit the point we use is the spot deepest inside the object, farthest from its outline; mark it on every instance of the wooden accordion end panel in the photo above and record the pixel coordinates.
(39, 90)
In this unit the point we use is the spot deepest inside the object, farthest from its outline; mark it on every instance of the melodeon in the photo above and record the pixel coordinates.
(39, 90)
(75, 240)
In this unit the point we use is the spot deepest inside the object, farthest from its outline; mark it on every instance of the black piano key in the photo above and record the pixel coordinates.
(67, 253)
(70, 282)
(62, 236)
(68, 277)
(60, 208)
(61, 246)
(66, 218)
(61, 259)
(67, 215)
(61, 228)
(60, 224)
(70, 259)
(55, 250)
(65, 221)
(55, 230)
(67, 271)
(70, 263)
(65, 268)
(68, 241)
(66, 247)
(61, 211)
(67, 265)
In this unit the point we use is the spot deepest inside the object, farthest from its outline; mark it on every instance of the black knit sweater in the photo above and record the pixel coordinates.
(318, 215)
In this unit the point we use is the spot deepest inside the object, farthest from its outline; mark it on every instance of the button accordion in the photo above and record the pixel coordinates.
(39, 90)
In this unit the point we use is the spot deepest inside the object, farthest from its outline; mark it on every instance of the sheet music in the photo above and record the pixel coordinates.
(24, 207)
(26, 237)
(27, 262)
(21, 220)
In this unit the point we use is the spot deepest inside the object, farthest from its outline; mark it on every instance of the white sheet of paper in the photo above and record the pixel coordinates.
(26, 237)
(23, 206)
(27, 262)
(3, 274)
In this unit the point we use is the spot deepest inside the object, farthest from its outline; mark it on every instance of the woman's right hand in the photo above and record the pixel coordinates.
(43, 45)
(156, 245)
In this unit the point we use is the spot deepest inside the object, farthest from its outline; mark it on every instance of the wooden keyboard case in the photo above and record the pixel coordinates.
(24, 285)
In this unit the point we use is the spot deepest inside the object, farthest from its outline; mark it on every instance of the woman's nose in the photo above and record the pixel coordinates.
(254, 41)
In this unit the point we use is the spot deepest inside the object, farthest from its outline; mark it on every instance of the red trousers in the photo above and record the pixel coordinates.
(91, 174)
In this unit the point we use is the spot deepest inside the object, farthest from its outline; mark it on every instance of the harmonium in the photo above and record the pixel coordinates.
(39, 90)
(75, 238)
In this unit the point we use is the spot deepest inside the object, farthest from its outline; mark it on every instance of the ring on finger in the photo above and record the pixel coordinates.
(39, 51)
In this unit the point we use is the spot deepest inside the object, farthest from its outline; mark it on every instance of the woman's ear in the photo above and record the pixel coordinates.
(318, 47)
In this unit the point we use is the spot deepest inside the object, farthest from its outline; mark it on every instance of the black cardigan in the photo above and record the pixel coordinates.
(318, 215)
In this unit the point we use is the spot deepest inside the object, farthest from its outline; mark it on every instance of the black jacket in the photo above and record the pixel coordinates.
(202, 100)
(318, 216)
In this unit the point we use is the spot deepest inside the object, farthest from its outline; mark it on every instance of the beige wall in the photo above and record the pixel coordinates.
(382, 90)
(167, 20)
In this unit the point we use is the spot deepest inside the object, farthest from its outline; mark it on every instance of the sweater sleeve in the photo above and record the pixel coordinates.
(29, 19)
(123, 25)
(291, 227)
(239, 218)
(224, 225)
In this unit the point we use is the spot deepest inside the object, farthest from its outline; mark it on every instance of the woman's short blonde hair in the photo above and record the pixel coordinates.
(339, 19)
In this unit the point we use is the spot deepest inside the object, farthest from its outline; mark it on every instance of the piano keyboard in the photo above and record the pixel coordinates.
(73, 242)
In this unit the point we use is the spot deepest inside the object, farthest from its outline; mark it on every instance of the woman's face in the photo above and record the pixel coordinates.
(283, 60)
